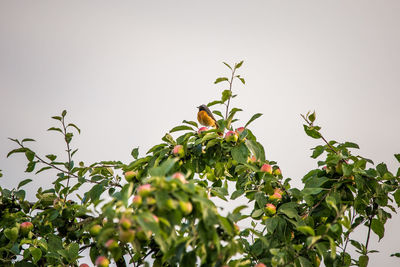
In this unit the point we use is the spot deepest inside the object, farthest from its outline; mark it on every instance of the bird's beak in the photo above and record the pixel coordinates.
(197, 107)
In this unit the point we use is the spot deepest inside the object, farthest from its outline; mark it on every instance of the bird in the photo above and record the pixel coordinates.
(206, 118)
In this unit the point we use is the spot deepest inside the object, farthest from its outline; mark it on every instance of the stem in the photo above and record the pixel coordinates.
(69, 156)
(369, 233)
(349, 232)
(230, 89)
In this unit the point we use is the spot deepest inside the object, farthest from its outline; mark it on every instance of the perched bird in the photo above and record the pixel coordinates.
(206, 118)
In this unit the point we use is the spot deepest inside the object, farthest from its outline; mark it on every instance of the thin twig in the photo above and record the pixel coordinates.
(230, 89)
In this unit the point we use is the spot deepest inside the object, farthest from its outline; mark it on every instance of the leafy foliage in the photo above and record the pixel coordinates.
(162, 212)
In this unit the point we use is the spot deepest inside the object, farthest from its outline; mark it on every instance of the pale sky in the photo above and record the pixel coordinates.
(129, 71)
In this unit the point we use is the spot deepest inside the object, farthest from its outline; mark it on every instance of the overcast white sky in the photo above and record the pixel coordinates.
(129, 71)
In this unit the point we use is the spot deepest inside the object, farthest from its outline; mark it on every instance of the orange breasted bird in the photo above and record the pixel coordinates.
(205, 117)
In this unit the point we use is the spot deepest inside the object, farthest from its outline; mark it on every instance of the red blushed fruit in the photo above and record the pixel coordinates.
(275, 196)
(270, 208)
(25, 227)
(111, 244)
(156, 218)
(231, 136)
(266, 168)
(178, 151)
(179, 176)
(202, 129)
(125, 223)
(95, 230)
(102, 261)
(240, 130)
(251, 159)
(260, 265)
(137, 200)
(144, 190)
(130, 175)
(83, 265)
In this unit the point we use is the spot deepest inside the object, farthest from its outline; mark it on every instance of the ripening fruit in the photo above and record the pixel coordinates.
(144, 190)
(270, 208)
(83, 265)
(240, 130)
(186, 207)
(156, 218)
(111, 244)
(25, 228)
(130, 175)
(125, 223)
(137, 200)
(179, 176)
(260, 264)
(266, 168)
(151, 200)
(275, 196)
(251, 159)
(178, 151)
(95, 230)
(171, 204)
(231, 136)
(202, 129)
(277, 172)
(126, 236)
(102, 261)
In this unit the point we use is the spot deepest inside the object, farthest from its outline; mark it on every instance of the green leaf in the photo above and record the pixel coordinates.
(27, 140)
(135, 152)
(378, 228)
(96, 192)
(237, 194)
(240, 153)
(317, 151)
(312, 131)
(36, 254)
(347, 169)
(58, 118)
(181, 128)
(226, 64)
(212, 103)
(164, 168)
(256, 149)
(217, 112)
(30, 155)
(76, 127)
(238, 65)
(350, 145)
(288, 210)
(257, 213)
(51, 157)
(311, 117)
(226, 94)
(55, 129)
(396, 196)
(64, 113)
(305, 262)
(221, 79)
(311, 191)
(43, 169)
(242, 80)
(363, 261)
(18, 150)
(11, 233)
(306, 230)
(24, 182)
(382, 169)
(397, 156)
(255, 116)
(193, 123)
(73, 251)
